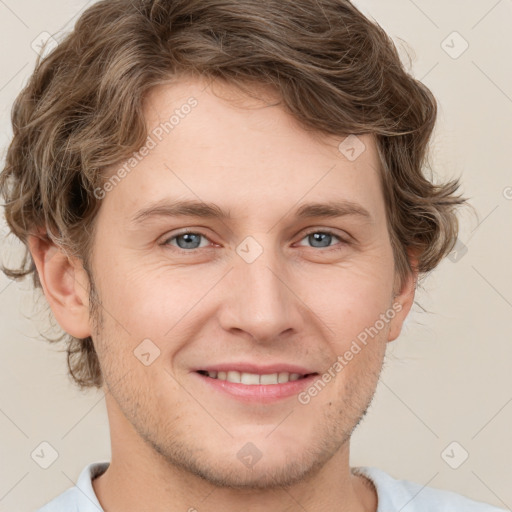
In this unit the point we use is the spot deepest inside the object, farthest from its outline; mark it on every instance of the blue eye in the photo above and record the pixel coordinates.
(187, 240)
(321, 238)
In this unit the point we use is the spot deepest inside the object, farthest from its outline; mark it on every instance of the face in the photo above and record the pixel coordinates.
(192, 302)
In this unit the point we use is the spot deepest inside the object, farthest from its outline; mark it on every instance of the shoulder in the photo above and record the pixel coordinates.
(67, 501)
(409, 496)
(81, 497)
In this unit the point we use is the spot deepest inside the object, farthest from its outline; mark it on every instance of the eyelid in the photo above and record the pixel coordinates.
(330, 231)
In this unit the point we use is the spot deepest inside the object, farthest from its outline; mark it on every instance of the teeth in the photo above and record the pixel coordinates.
(249, 378)
(270, 378)
(283, 377)
(254, 378)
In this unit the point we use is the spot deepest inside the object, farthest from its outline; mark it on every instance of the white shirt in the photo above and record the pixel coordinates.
(393, 495)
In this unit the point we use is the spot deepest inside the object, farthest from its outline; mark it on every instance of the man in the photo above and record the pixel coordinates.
(223, 200)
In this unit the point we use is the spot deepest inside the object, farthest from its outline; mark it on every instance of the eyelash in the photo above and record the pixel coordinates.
(343, 242)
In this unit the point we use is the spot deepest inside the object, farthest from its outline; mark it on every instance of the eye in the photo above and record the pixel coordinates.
(186, 240)
(323, 238)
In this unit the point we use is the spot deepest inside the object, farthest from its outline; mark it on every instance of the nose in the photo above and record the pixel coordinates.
(260, 300)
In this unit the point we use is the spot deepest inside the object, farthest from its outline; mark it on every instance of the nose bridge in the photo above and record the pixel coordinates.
(261, 303)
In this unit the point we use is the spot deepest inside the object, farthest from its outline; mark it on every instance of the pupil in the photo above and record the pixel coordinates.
(187, 237)
(317, 237)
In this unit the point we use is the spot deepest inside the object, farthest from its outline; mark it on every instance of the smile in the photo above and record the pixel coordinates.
(253, 379)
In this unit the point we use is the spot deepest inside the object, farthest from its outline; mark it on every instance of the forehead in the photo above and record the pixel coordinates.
(221, 109)
(212, 142)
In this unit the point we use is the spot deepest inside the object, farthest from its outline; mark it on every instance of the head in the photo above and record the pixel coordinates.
(252, 110)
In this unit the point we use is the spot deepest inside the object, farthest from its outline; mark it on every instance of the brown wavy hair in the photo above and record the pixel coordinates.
(334, 70)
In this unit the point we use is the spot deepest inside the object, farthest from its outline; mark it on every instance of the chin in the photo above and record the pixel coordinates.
(264, 474)
(250, 462)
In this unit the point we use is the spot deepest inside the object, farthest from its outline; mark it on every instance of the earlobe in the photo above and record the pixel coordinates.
(404, 299)
(64, 283)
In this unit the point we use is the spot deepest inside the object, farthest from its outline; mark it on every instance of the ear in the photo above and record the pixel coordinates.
(403, 297)
(65, 284)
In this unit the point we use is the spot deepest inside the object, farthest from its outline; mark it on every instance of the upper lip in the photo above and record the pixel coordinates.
(256, 368)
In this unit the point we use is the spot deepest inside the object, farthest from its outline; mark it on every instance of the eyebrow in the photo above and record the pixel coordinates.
(201, 209)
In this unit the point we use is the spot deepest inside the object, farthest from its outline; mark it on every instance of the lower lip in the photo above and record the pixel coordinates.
(257, 392)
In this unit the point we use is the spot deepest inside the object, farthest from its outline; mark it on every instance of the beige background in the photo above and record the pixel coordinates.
(446, 379)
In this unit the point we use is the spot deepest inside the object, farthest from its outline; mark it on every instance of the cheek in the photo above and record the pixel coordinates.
(147, 301)
(350, 300)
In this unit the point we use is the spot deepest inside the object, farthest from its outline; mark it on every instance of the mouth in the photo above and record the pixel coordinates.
(255, 379)
(252, 385)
